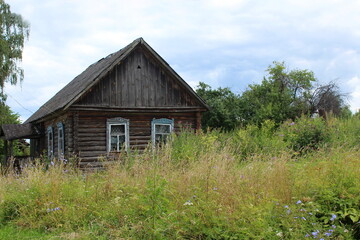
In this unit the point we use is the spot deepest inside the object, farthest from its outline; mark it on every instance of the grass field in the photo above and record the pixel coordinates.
(299, 181)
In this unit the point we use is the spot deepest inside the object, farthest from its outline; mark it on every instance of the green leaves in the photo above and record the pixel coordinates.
(224, 104)
(14, 30)
(283, 94)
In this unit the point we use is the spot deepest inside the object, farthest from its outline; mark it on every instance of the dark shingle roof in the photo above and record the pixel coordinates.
(80, 84)
(16, 131)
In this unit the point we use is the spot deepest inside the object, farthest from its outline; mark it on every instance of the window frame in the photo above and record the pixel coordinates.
(61, 141)
(50, 142)
(160, 122)
(116, 122)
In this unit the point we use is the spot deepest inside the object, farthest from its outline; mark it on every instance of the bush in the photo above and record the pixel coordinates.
(305, 133)
(254, 140)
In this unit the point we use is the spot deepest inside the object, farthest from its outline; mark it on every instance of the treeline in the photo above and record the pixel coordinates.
(283, 94)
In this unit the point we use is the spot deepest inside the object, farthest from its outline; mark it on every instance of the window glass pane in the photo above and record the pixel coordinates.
(113, 143)
(117, 129)
(162, 128)
(121, 141)
(117, 134)
(161, 138)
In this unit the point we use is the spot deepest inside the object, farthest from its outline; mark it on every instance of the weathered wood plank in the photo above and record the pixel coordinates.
(92, 148)
(75, 132)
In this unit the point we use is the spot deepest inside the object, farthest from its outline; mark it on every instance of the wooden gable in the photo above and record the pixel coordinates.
(139, 81)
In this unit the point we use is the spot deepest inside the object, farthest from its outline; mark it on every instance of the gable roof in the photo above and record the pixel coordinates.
(93, 74)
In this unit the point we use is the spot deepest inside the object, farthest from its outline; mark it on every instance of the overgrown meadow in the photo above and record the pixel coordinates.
(297, 181)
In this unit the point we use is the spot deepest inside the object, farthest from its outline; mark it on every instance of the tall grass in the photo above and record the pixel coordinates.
(247, 184)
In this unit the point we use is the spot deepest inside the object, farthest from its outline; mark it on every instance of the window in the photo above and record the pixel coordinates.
(61, 145)
(161, 130)
(50, 142)
(117, 134)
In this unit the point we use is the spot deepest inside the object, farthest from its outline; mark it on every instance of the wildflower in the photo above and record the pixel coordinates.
(307, 235)
(53, 209)
(303, 218)
(333, 216)
(188, 203)
(292, 123)
(215, 188)
(299, 202)
(52, 163)
(286, 206)
(280, 234)
(345, 231)
(315, 233)
(328, 234)
(288, 211)
(333, 226)
(310, 213)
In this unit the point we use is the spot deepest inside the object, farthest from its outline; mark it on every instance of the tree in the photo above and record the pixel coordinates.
(224, 107)
(283, 94)
(14, 30)
(328, 98)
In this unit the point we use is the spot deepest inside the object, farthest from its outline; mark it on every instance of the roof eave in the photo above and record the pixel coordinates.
(105, 71)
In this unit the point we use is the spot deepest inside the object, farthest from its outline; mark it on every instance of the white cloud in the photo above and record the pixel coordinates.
(223, 43)
(354, 83)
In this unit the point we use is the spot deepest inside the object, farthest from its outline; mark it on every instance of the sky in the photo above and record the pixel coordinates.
(223, 43)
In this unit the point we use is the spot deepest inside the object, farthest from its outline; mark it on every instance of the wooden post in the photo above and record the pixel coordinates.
(11, 153)
(4, 160)
(75, 132)
(198, 121)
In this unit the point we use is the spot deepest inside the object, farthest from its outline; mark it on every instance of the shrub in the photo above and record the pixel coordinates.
(305, 133)
(255, 140)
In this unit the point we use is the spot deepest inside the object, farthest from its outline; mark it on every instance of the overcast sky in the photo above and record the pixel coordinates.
(223, 43)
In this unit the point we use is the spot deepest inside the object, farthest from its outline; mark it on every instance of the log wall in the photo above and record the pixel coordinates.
(91, 130)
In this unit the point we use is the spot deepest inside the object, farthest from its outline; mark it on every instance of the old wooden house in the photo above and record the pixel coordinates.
(124, 101)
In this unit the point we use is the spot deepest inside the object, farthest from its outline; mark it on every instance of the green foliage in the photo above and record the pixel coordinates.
(224, 107)
(243, 184)
(252, 139)
(305, 133)
(7, 117)
(12, 232)
(282, 95)
(14, 30)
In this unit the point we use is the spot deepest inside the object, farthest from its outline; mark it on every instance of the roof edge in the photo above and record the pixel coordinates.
(130, 47)
(179, 78)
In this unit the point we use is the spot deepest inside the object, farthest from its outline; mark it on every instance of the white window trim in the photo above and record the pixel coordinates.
(113, 122)
(61, 142)
(50, 146)
(159, 122)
